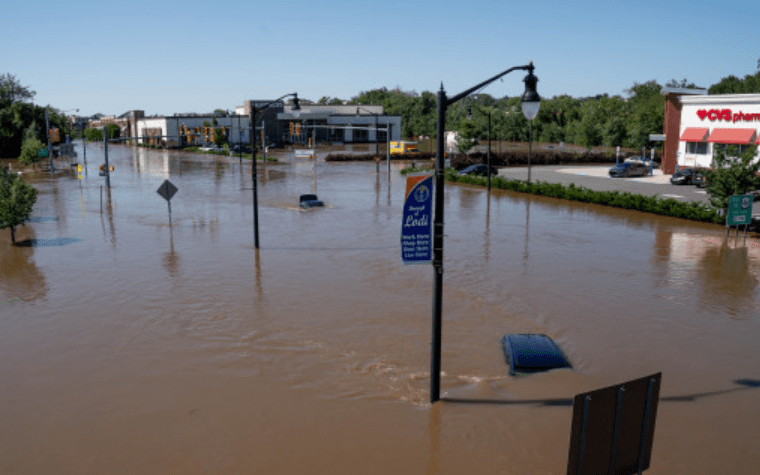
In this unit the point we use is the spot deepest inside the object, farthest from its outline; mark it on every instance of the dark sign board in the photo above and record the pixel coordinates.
(613, 428)
(416, 242)
(167, 190)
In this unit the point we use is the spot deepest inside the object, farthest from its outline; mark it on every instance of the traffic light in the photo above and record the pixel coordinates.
(110, 168)
(50, 135)
(298, 128)
(291, 127)
(57, 135)
(262, 138)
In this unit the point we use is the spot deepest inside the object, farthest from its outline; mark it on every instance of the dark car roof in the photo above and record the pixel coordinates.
(531, 352)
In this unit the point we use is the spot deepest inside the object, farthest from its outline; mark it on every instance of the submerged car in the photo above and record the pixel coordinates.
(310, 201)
(479, 170)
(687, 176)
(628, 169)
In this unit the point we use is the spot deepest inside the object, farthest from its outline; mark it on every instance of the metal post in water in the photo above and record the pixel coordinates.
(105, 152)
(47, 134)
(388, 147)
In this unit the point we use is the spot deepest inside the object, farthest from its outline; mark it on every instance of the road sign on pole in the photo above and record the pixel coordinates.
(167, 190)
(739, 210)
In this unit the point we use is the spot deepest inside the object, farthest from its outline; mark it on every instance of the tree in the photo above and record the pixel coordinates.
(113, 131)
(734, 174)
(683, 83)
(16, 201)
(29, 151)
(11, 91)
(466, 136)
(219, 137)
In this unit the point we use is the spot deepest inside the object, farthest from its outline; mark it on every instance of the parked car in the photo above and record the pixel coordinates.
(478, 170)
(310, 201)
(628, 169)
(699, 180)
(643, 160)
(685, 176)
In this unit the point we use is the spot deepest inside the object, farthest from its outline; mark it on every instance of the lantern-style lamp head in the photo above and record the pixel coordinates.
(296, 109)
(530, 100)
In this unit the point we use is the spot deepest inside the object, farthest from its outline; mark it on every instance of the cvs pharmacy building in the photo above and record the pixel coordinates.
(707, 124)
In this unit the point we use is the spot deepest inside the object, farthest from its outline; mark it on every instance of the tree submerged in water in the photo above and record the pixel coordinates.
(17, 199)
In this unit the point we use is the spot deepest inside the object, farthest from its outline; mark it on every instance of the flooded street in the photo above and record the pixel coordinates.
(128, 346)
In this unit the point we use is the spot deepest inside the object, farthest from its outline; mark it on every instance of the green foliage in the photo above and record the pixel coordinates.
(112, 131)
(733, 85)
(94, 135)
(734, 174)
(219, 137)
(29, 151)
(650, 204)
(11, 91)
(16, 201)
(466, 137)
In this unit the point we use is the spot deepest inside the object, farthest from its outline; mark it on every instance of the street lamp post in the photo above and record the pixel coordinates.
(443, 103)
(254, 174)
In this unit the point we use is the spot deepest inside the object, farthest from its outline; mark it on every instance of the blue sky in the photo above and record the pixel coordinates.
(191, 56)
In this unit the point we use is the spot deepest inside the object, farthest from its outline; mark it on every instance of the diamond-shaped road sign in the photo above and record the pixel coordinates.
(167, 190)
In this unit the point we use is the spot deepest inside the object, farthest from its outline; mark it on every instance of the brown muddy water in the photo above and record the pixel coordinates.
(131, 347)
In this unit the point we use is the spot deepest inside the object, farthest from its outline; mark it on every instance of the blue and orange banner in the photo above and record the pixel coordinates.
(416, 227)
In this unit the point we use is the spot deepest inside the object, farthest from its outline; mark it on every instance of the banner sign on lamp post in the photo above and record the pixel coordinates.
(416, 235)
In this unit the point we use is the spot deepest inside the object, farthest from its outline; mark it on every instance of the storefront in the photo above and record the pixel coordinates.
(707, 124)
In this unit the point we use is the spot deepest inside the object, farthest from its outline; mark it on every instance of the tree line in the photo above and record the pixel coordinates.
(619, 120)
(21, 120)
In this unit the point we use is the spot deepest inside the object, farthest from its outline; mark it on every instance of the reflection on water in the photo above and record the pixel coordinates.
(172, 349)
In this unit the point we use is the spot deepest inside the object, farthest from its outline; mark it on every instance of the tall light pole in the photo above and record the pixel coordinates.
(443, 103)
(254, 174)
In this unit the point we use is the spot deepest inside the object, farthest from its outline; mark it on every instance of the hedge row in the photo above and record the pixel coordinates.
(538, 157)
(343, 157)
(511, 158)
(650, 204)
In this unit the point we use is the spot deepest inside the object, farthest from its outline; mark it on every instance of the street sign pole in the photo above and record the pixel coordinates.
(167, 190)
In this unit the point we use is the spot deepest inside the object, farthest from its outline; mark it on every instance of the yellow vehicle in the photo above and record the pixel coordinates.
(404, 147)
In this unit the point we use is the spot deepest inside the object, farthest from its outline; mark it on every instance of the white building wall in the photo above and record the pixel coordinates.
(724, 111)
(239, 127)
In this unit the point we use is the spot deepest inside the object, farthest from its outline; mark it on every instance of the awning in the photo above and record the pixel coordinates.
(735, 136)
(694, 134)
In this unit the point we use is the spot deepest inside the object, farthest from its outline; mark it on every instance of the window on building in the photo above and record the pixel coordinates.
(361, 135)
(697, 148)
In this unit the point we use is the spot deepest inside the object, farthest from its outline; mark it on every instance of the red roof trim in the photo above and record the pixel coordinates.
(694, 134)
(735, 136)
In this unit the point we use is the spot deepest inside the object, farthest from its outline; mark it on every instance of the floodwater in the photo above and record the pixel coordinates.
(128, 346)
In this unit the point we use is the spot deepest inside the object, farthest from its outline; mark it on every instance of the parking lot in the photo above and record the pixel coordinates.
(597, 177)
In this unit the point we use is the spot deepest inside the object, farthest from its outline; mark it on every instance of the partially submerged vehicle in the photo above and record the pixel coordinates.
(310, 201)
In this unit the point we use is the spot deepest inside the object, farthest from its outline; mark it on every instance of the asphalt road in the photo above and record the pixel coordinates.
(596, 177)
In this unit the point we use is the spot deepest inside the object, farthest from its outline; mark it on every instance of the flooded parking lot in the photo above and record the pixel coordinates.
(131, 346)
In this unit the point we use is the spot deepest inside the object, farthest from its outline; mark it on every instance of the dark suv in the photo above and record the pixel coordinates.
(478, 170)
